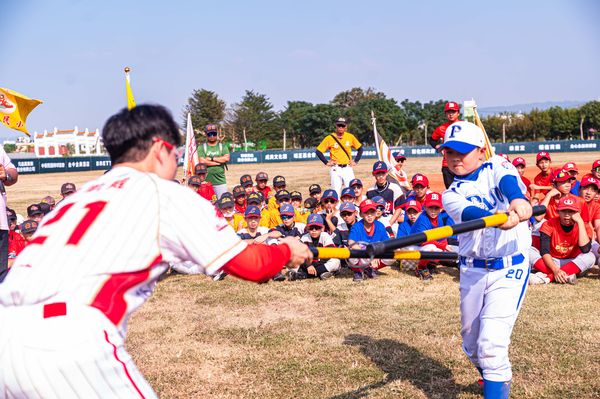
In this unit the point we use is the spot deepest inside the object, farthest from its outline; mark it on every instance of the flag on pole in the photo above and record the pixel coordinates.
(190, 158)
(384, 153)
(14, 108)
(130, 99)
(470, 114)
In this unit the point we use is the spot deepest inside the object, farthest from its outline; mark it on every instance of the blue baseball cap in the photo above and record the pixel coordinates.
(287, 209)
(348, 191)
(252, 212)
(314, 219)
(463, 137)
(347, 207)
(379, 200)
(355, 182)
(330, 194)
(379, 167)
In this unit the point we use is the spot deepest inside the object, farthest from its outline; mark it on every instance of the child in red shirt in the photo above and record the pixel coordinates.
(565, 246)
(542, 181)
(519, 163)
(206, 189)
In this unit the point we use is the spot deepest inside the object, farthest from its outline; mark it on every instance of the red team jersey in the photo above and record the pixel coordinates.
(543, 180)
(563, 245)
(207, 191)
(438, 134)
(552, 213)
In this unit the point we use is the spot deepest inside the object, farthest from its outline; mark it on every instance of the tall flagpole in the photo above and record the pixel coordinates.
(374, 123)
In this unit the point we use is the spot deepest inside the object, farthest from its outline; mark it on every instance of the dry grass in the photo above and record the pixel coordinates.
(389, 337)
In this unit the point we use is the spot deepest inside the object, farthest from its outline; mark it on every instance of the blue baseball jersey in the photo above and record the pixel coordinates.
(404, 228)
(359, 234)
(486, 191)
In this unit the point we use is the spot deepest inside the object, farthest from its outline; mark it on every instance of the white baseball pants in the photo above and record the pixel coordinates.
(490, 301)
(340, 177)
(78, 355)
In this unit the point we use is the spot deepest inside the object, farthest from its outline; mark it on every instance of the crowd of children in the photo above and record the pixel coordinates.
(565, 239)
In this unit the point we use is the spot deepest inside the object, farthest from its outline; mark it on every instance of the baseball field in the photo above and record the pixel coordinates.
(392, 337)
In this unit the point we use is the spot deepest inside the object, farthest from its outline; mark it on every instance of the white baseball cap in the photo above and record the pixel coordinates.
(463, 137)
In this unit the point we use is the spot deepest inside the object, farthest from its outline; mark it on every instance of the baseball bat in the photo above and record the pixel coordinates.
(345, 253)
(377, 248)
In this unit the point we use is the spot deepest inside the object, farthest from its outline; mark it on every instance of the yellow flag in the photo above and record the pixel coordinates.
(130, 99)
(14, 108)
(470, 114)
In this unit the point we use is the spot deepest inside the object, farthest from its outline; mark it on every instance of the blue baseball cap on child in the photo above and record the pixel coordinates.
(463, 137)
(314, 219)
(252, 212)
(347, 207)
(286, 209)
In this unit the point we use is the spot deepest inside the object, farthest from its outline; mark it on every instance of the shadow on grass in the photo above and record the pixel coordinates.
(403, 362)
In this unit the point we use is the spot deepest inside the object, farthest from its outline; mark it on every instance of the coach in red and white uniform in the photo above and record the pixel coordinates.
(96, 258)
(451, 110)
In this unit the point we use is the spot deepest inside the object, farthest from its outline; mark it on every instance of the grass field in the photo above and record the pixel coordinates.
(392, 337)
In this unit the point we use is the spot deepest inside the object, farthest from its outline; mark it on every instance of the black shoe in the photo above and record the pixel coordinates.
(326, 275)
(296, 275)
(279, 277)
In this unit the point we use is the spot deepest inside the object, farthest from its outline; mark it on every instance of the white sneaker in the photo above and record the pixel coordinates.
(538, 278)
(572, 279)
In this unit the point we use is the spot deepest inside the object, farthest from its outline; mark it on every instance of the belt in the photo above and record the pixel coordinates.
(491, 263)
(342, 165)
(55, 309)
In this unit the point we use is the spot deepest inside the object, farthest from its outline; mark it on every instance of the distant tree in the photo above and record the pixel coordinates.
(255, 115)
(565, 122)
(391, 120)
(541, 122)
(589, 115)
(206, 107)
(8, 148)
(353, 97)
(316, 123)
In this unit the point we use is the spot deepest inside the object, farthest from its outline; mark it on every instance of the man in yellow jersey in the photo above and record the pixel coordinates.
(340, 145)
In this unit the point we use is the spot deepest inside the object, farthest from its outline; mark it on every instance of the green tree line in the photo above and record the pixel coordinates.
(253, 119)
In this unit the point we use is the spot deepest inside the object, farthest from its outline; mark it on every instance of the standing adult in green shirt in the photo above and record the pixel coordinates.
(215, 155)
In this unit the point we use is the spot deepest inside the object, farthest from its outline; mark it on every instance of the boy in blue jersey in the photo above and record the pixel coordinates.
(412, 210)
(433, 217)
(363, 232)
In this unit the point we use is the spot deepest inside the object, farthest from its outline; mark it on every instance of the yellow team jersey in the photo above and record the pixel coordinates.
(265, 217)
(235, 222)
(272, 204)
(337, 154)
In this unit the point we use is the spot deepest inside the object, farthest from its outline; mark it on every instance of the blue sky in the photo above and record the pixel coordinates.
(71, 54)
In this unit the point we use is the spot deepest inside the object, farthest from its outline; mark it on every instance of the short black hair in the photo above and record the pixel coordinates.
(128, 135)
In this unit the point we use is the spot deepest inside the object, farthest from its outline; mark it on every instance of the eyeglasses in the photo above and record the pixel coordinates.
(381, 208)
(329, 201)
(211, 134)
(286, 217)
(451, 111)
(170, 147)
(346, 214)
(596, 169)
(340, 126)
(313, 228)
(357, 187)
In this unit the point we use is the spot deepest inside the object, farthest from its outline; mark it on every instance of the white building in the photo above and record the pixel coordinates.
(55, 143)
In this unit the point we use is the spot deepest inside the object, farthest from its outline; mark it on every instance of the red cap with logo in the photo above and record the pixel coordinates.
(412, 204)
(434, 199)
(542, 155)
(451, 106)
(367, 205)
(420, 179)
(560, 176)
(596, 164)
(568, 202)
(519, 161)
(590, 181)
(570, 167)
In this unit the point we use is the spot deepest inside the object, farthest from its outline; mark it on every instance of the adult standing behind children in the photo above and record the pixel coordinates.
(215, 155)
(340, 145)
(452, 112)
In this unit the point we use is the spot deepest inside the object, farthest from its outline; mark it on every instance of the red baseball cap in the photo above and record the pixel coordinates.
(434, 199)
(570, 166)
(367, 205)
(519, 161)
(596, 164)
(420, 179)
(451, 106)
(560, 176)
(541, 155)
(412, 204)
(590, 181)
(568, 202)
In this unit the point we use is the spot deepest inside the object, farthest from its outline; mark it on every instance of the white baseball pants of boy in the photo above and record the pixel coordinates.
(340, 177)
(80, 355)
(490, 301)
(584, 261)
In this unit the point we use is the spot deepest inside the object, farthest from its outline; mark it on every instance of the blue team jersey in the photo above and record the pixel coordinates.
(575, 188)
(359, 234)
(404, 228)
(424, 223)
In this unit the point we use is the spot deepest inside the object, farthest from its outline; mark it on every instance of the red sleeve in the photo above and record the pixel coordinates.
(438, 133)
(258, 262)
(547, 228)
